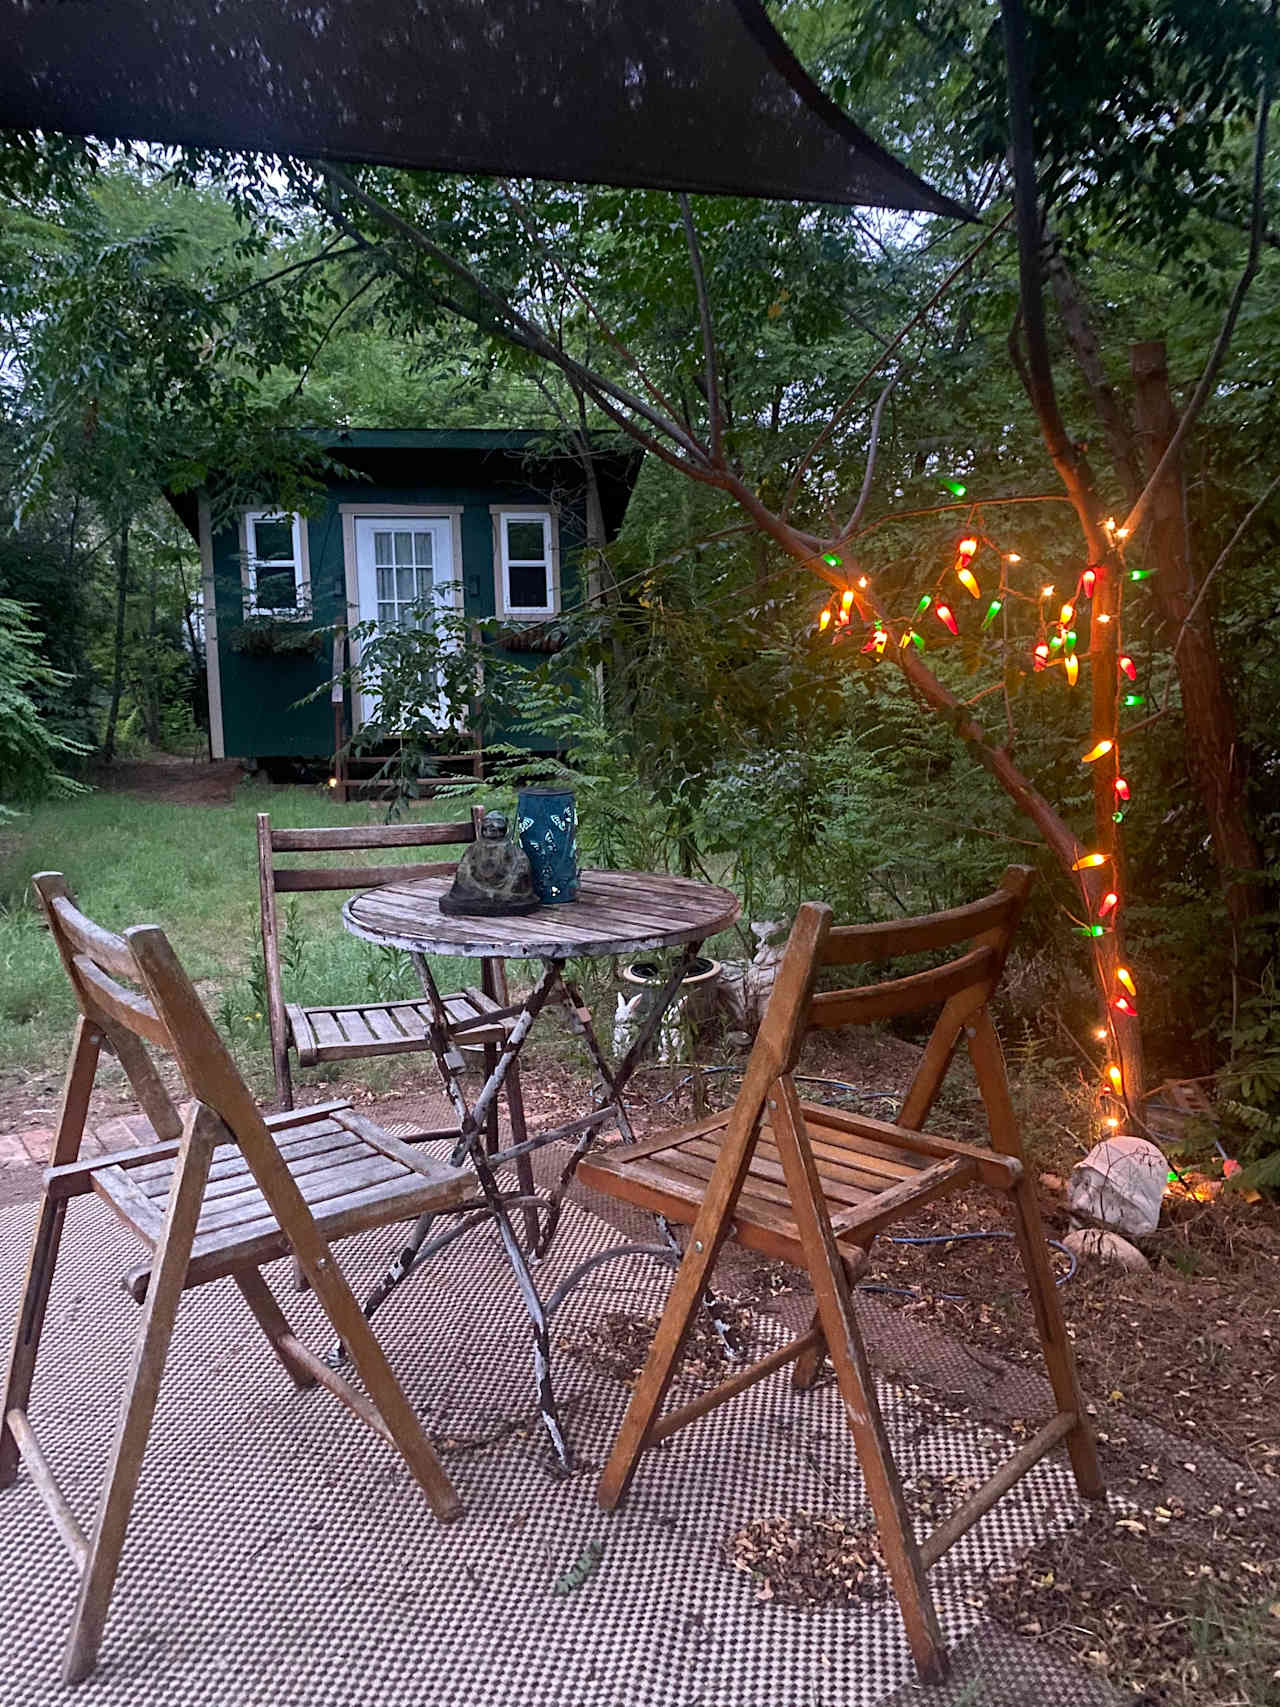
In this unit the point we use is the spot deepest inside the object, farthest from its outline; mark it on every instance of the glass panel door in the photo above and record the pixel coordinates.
(405, 574)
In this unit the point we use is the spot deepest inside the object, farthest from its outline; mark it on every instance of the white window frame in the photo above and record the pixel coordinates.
(300, 565)
(549, 517)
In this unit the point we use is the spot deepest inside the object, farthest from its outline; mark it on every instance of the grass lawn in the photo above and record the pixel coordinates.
(192, 869)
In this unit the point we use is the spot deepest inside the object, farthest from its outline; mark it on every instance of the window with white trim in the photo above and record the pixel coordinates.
(528, 582)
(275, 577)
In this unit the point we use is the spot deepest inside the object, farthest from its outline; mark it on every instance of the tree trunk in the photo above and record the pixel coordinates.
(1104, 616)
(117, 670)
(1213, 759)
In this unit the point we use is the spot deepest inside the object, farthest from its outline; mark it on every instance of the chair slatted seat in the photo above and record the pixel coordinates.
(211, 1188)
(389, 1028)
(813, 1186)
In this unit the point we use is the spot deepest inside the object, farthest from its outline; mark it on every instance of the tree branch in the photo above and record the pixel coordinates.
(865, 493)
(1226, 551)
(532, 336)
(883, 357)
(1257, 232)
(714, 409)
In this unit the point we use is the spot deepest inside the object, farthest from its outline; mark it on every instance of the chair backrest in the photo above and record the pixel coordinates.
(963, 984)
(133, 988)
(276, 879)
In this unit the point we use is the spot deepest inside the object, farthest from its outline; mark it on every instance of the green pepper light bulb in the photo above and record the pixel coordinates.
(957, 488)
(831, 558)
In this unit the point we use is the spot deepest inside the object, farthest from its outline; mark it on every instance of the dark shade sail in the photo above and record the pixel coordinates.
(698, 95)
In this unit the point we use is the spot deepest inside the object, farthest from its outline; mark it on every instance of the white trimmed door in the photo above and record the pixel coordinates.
(404, 569)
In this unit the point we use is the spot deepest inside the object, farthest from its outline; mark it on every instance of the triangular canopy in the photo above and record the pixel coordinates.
(698, 95)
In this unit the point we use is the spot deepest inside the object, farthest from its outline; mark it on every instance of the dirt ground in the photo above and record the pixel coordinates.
(175, 781)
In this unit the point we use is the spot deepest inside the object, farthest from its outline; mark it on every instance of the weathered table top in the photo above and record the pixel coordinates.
(616, 912)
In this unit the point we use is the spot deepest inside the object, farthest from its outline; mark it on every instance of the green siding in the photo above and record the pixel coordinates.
(260, 709)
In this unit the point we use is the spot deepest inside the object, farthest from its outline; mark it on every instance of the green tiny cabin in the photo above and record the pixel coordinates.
(491, 522)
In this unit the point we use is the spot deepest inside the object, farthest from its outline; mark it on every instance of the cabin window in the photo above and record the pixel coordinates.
(528, 573)
(404, 562)
(275, 576)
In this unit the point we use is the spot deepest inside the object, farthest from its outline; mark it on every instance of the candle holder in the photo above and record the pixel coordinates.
(547, 825)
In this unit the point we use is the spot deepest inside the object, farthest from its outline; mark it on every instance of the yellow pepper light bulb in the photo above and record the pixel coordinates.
(1073, 669)
(824, 621)
(968, 581)
(1012, 557)
(1125, 977)
(1065, 615)
(1098, 752)
(846, 598)
(1116, 1078)
(1089, 862)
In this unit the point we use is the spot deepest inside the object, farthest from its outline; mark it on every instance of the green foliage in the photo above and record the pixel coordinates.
(30, 752)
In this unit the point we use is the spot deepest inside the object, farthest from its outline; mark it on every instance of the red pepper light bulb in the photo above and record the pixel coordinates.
(944, 616)
(1124, 1006)
(1122, 788)
(1041, 656)
(967, 549)
(1088, 582)
(1108, 904)
(1129, 667)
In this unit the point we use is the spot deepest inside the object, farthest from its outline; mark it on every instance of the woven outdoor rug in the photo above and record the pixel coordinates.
(279, 1553)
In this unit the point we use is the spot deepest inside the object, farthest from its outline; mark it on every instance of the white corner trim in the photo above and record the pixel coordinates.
(531, 512)
(209, 601)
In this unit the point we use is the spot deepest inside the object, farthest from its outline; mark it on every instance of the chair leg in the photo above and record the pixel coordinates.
(524, 1164)
(168, 1279)
(85, 1049)
(683, 1303)
(1054, 1340)
(857, 1390)
(271, 1319)
(988, 1066)
(808, 1366)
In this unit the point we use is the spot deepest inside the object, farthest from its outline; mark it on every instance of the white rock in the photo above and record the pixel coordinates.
(1121, 1183)
(1105, 1247)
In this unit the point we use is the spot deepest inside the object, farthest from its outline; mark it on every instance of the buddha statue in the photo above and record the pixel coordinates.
(493, 875)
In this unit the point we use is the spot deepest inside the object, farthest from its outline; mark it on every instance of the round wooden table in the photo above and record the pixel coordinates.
(617, 912)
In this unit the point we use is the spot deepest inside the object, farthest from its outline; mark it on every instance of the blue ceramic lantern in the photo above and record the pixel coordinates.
(547, 825)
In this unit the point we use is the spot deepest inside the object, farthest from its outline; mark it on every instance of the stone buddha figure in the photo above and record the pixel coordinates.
(493, 875)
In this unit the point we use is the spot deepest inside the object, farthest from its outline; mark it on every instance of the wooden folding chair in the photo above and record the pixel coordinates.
(814, 1185)
(358, 1029)
(218, 1190)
